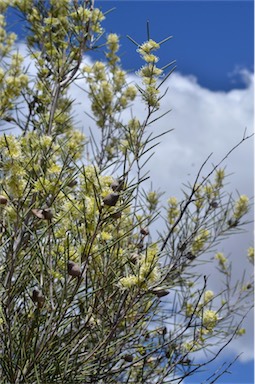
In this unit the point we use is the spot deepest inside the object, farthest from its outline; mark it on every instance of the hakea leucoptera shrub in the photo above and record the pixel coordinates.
(89, 291)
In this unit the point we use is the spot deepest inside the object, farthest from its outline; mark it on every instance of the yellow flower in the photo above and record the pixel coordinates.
(251, 254)
(11, 146)
(222, 259)
(130, 92)
(113, 42)
(152, 197)
(149, 71)
(147, 47)
(241, 207)
(150, 58)
(210, 319)
(208, 296)
(241, 332)
(105, 236)
(200, 240)
(189, 309)
(173, 210)
(219, 177)
(129, 281)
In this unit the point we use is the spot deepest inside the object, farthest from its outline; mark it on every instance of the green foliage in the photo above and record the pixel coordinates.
(82, 274)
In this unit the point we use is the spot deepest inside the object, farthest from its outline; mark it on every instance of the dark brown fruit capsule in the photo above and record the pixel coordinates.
(38, 297)
(3, 200)
(144, 231)
(128, 358)
(190, 256)
(232, 223)
(44, 214)
(117, 185)
(47, 213)
(73, 269)
(38, 213)
(72, 183)
(160, 292)
(116, 215)
(214, 204)
(111, 199)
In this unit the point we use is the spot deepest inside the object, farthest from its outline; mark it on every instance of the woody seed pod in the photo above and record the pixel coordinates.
(117, 185)
(190, 256)
(38, 297)
(47, 213)
(111, 199)
(3, 200)
(214, 204)
(38, 213)
(73, 269)
(232, 223)
(128, 358)
(44, 214)
(144, 231)
(159, 292)
(72, 183)
(116, 215)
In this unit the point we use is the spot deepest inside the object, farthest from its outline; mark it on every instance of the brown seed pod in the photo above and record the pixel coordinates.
(38, 297)
(182, 247)
(232, 223)
(144, 231)
(44, 214)
(116, 215)
(38, 213)
(190, 256)
(73, 269)
(47, 213)
(214, 204)
(128, 358)
(117, 185)
(72, 183)
(3, 200)
(111, 199)
(159, 292)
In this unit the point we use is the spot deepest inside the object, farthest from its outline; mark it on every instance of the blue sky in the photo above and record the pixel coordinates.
(210, 39)
(213, 42)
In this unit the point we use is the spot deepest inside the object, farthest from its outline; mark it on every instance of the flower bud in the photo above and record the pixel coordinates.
(111, 199)
(73, 269)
